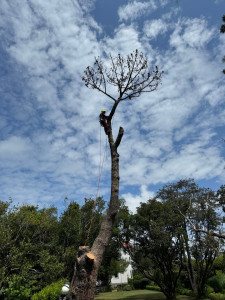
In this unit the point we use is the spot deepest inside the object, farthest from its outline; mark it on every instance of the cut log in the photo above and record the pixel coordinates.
(90, 256)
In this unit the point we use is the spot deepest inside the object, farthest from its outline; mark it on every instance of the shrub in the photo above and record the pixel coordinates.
(219, 263)
(184, 291)
(127, 288)
(138, 281)
(18, 288)
(208, 290)
(140, 284)
(153, 288)
(217, 296)
(217, 282)
(50, 292)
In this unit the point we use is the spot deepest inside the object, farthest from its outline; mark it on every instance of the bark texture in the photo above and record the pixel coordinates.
(89, 260)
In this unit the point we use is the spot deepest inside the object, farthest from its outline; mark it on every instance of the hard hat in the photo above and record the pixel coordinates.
(102, 110)
(65, 289)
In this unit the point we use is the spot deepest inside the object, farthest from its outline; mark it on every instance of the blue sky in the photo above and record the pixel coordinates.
(50, 135)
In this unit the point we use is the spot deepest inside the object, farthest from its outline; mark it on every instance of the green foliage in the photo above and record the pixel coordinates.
(28, 248)
(217, 282)
(208, 290)
(50, 292)
(184, 291)
(38, 248)
(219, 264)
(117, 266)
(50, 265)
(69, 255)
(166, 246)
(69, 225)
(127, 288)
(217, 296)
(86, 214)
(140, 284)
(138, 281)
(18, 288)
(158, 243)
(153, 288)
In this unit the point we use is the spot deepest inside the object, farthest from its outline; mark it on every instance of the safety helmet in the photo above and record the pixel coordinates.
(65, 289)
(103, 110)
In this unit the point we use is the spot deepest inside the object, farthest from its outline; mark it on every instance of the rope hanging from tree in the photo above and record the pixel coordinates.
(101, 162)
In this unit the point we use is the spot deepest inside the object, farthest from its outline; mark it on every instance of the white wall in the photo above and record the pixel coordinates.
(122, 278)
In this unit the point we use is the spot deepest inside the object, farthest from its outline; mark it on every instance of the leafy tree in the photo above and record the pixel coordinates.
(158, 245)
(5, 241)
(127, 77)
(70, 225)
(28, 257)
(200, 206)
(91, 206)
(36, 247)
(164, 241)
(69, 235)
(205, 248)
(179, 196)
(219, 264)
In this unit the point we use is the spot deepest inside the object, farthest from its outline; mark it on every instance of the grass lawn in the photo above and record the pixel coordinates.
(136, 294)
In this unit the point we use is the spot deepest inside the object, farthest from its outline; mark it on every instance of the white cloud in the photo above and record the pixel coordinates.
(125, 40)
(155, 27)
(177, 112)
(50, 119)
(136, 9)
(192, 32)
(14, 147)
(133, 201)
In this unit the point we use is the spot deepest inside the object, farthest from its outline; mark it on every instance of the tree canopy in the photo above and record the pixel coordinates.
(165, 245)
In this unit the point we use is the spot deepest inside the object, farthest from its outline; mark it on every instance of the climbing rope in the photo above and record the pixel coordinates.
(99, 179)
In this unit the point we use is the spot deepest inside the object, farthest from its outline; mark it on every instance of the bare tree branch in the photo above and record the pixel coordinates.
(212, 233)
(131, 76)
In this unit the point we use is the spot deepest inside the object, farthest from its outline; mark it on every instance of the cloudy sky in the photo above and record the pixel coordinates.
(50, 139)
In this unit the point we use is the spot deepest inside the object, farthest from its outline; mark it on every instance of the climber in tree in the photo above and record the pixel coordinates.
(103, 120)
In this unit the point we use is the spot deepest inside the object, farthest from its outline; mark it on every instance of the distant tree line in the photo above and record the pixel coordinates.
(175, 241)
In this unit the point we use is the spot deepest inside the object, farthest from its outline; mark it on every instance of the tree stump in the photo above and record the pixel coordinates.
(82, 288)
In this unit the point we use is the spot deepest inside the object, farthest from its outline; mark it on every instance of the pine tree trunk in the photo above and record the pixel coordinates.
(89, 260)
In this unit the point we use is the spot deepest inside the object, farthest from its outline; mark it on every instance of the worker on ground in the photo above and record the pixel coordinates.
(103, 120)
(65, 292)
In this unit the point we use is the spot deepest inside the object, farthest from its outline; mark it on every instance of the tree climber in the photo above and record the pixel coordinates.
(103, 120)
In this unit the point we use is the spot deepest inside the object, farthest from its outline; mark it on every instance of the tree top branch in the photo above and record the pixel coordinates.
(130, 75)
